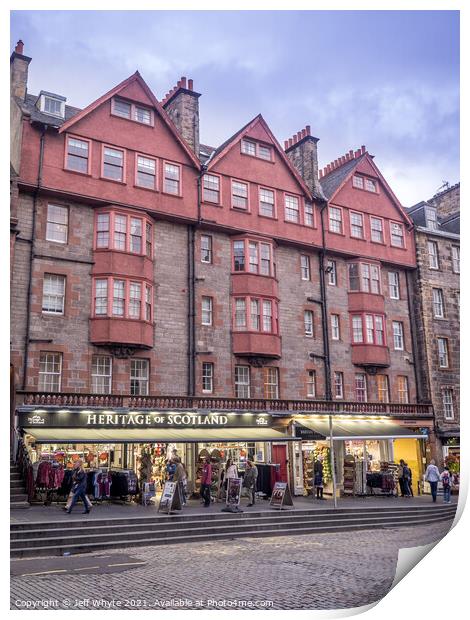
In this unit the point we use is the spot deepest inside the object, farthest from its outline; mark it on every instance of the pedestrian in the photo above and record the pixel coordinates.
(170, 469)
(446, 479)
(178, 478)
(432, 476)
(231, 471)
(206, 481)
(400, 477)
(406, 480)
(318, 477)
(249, 481)
(79, 480)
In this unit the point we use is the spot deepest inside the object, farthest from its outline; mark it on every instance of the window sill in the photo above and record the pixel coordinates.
(132, 120)
(113, 180)
(251, 273)
(378, 242)
(82, 174)
(209, 203)
(267, 161)
(357, 238)
(163, 192)
(148, 189)
(239, 210)
(121, 252)
(268, 217)
(339, 234)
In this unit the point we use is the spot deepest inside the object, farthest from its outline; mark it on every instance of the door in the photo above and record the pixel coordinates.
(279, 456)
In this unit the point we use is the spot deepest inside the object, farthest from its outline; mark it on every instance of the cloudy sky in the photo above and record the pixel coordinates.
(389, 80)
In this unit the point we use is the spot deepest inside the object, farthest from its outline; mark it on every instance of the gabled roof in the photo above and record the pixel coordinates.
(332, 182)
(136, 77)
(222, 150)
(450, 224)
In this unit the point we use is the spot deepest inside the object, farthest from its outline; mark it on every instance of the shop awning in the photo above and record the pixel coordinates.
(360, 429)
(157, 435)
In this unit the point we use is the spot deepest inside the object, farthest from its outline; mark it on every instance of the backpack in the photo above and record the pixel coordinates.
(445, 478)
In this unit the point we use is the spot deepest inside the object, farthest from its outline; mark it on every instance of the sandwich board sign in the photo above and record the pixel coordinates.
(234, 486)
(281, 496)
(170, 499)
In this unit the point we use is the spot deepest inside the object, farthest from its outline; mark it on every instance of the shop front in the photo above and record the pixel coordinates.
(128, 448)
(366, 454)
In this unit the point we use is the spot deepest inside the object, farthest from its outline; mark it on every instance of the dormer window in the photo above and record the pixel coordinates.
(52, 104)
(131, 111)
(431, 218)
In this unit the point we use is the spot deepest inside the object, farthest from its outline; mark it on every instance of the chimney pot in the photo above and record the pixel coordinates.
(321, 174)
(183, 82)
(19, 47)
(343, 159)
(294, 138)
(307, 128)
(304, 133)
(351, 154)
(357, 153)
(290, 142)
(299, 135)
(363, 149)
(190, 85)
(348, 157)
(286, 144)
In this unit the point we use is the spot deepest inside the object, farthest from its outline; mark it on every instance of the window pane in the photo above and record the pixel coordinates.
(143, 115)
(102, 230)
(135, 292)
(206, 249)
(249, 148)
(50, 369)
(240, 314)
(139, 377)
(267, 316)
(266, 202)
(101, 297)
(239, 255)
(242, 382)
(239, 195)
(122, 108)
(118, 297)
(57, 223)
(207, 377)
(292, 208)
(271, 382)
(336, 223)
(255, 316)
(172, 179)
(101, 374)
(264, 152)
(53, 294)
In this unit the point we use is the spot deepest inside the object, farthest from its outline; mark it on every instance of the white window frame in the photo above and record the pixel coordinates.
(374, 229)
(394, 284)
(271, 382)
(335, 222)
(335, 327)
(339, 383)
(305, 272)
(311, 384)
(398, 336)
(207, 376)
(356, 224)
(206, 310)
(291, 208)
(358, 182)
(433, 253)
(54, 225)
(264, 197)
(394, 235)
(206, 249)
(443, 352)
(56, 298)
(99, 374)
(438, 303)
(308, 323)
(242, 381)
(448, 403)
(51, 364)
(456, 258)
(431, 218)
(139, 372)
(211, 188)
(357, 390)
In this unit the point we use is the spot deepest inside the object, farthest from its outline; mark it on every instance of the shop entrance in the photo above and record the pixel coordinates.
(279, 455)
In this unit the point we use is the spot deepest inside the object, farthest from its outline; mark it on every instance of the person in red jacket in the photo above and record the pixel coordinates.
(206, 479)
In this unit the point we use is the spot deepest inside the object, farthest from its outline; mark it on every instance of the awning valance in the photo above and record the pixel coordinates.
(360, 429)
(154, 435)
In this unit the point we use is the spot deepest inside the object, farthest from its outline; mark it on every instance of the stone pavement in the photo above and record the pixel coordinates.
(320, 571)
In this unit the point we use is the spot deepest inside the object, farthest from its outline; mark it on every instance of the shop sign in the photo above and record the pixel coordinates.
(281, 496)
(307, 434)
(153, 419)
(234, 486)
(170, 499)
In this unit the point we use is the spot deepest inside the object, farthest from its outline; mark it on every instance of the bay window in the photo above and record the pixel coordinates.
(255, 314)
(372, 326)
(122, 298)
(364, 277)
(126, 233)
(254, 254)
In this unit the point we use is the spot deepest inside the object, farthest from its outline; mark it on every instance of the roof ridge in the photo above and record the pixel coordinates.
(344, 159)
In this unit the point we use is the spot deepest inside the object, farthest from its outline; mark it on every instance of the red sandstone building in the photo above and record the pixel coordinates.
(168, 294)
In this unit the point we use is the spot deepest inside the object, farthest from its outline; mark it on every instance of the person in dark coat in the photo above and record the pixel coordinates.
(79, 481)
(318, 477)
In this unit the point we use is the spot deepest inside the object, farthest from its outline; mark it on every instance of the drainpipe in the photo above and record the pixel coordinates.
(192, 291)
(31, 258)
(324, 310)
(414, 344)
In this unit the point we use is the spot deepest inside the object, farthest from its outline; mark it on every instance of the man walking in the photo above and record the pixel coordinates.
(432, 476)
(249, 481)
(79, 487)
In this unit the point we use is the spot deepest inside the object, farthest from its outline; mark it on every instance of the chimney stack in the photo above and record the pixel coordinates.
(181, 104)
(19, 72)
(301, 149)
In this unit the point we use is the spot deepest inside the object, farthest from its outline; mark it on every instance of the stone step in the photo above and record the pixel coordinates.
(209, 517)
(237, 529)
(19, 505)
(18, 497)
(92, 528)
(87, 547)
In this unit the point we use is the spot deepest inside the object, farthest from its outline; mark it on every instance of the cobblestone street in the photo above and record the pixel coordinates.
(322, 571)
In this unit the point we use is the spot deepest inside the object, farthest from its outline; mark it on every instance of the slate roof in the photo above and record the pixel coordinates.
(205, 152)
(333, 180)
(29, 107)
(220, 148)
(450, 224)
